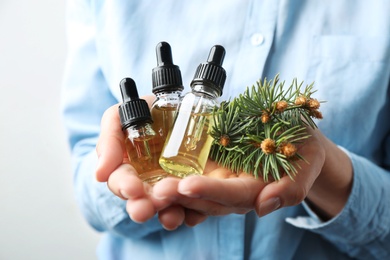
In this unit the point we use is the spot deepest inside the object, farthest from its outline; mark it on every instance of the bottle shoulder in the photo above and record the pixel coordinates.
(201, 97)
(142, 131)
(167, 100)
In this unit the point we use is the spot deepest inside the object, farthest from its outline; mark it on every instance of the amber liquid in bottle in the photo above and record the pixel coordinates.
(167, 86)
(136, 120)
(163, 113)
(188, 143)
(163, 117)
(143, 152)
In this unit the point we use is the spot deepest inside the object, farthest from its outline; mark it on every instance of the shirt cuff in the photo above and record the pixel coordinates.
(366, 215)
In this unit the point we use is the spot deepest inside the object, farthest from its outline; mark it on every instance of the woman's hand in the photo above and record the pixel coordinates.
(325, 182)
(122, 179)
(114, 168)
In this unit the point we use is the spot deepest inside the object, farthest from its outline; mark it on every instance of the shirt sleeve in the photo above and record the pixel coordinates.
(362, 228)
(85, 97)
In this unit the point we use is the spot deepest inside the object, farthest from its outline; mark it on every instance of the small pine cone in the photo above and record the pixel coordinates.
(224, 140)
(300, 101)
(265, 117)
(313, 104)
(316, 114)
(268, 146)
(288, 149)
(281, 105)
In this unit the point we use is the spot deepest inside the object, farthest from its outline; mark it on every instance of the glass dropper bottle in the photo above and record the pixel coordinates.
(167, 86)
(187, 147)
(136, 123)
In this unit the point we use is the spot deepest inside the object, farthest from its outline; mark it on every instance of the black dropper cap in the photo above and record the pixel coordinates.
(211, 73)
(166, 76)
(133, 110)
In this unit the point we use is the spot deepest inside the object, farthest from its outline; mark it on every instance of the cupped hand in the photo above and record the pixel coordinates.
(114, 168)
(213, 194)
(324, 180)
(122, 179)
(221, 192)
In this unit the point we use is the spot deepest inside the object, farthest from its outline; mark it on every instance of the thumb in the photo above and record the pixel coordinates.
(110, 147)
(290, 192)
(280, 194)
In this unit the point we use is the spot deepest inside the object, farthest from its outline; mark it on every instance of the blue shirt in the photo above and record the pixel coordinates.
(343, 46)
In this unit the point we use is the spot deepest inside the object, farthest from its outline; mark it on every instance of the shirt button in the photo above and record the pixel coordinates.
(257, 39)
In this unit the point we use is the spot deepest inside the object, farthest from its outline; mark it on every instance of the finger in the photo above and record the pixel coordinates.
(165, 193)
(221, 173)
(171, 217)
(124, 183)
(140, 210)
(166, 190)
(210, 166)
(193, 217)
(110, 147)
(279, 194)
(288, 192)
(232, 192)
(283, 193)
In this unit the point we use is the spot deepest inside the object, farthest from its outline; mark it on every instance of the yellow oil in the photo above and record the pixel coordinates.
(144, 154)
(162, 121)
(188, 148)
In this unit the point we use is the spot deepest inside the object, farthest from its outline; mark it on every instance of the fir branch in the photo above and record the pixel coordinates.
(257, 132)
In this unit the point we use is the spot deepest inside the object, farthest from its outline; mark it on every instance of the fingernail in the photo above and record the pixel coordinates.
(148, 189)
(189, 194)
(268, 206)
(98, 161)
(97, 166)
(164, 197)
(158, 197)
(169, 229)
(124, 194)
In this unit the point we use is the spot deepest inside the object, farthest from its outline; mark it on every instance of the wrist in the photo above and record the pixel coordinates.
(332, 188)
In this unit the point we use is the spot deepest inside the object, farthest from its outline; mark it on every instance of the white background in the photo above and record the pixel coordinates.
(39, 218)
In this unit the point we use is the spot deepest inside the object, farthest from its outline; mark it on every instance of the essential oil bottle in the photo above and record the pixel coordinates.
(187, 147)
(167, 87)
(136, 123)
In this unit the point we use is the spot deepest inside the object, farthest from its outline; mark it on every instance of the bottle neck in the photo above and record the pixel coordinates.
(168, 95)
(212, 92)
(140, 129)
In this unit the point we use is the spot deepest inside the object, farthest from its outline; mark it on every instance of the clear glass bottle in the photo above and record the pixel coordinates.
(167, 86)
(136, 123)
(187, 147)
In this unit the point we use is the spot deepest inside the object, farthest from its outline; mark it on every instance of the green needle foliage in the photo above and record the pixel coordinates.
(257, 132)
